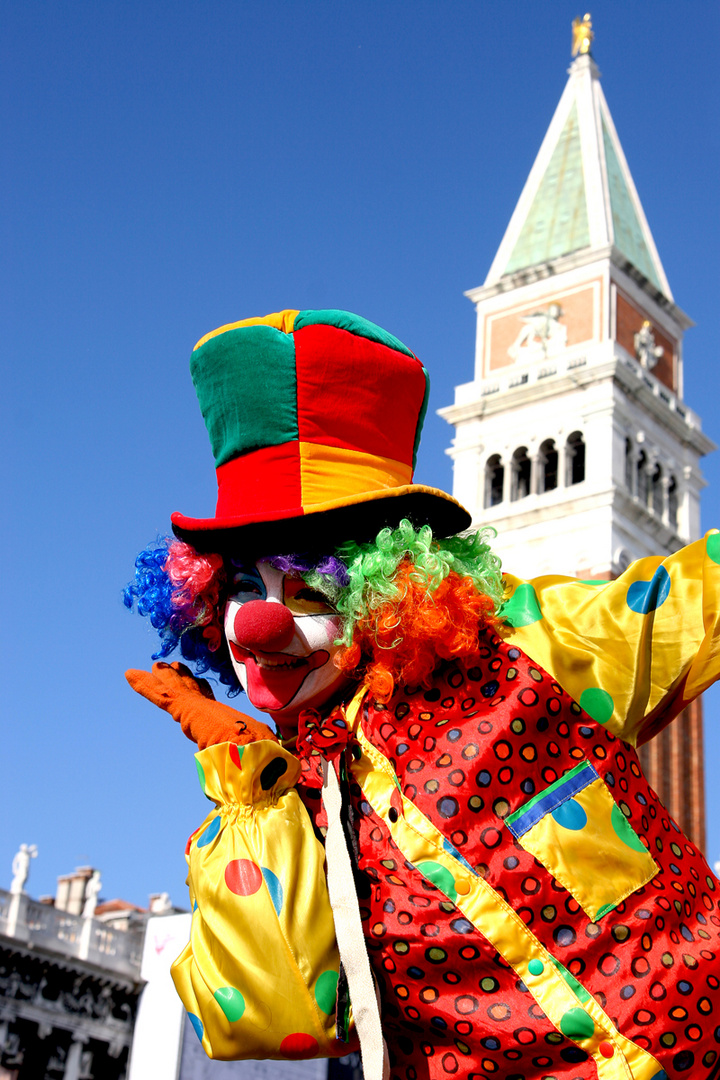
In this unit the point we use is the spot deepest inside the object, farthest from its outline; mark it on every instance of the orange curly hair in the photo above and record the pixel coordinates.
(401, 639)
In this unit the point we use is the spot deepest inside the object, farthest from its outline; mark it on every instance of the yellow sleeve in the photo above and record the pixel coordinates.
(632, 652)
(259, 975)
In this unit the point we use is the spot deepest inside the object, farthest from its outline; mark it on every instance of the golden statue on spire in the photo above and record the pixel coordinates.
(582, 35)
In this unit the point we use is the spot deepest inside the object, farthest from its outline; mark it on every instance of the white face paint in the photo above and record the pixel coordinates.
(297, 672)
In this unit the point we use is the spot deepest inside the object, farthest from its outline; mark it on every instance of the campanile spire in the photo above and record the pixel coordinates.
(573, 438)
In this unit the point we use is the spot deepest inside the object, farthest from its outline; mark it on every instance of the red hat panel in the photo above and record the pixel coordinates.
(373, 408)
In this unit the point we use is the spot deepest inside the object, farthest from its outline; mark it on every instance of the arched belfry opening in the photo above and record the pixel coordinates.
(521, 474)
(494, 481)
(575, 458)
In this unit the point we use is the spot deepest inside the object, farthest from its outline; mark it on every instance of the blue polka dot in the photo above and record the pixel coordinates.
(274, 888)
(645, 596)
(570, 815)
(197, 1024)
(210, 833)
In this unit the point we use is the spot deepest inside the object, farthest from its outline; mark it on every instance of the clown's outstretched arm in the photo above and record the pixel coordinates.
(635, 651)
(191, 702)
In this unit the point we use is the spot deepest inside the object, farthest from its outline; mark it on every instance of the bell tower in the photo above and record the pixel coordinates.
(573, 438)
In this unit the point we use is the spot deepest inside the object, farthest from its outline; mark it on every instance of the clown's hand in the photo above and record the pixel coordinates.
(191, 702)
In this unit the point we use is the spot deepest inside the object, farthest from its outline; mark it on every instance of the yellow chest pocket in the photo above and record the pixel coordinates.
(577, 831)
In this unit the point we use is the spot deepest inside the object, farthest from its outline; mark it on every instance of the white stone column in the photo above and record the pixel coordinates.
(562, 463)
(665, 481)
(535, 462)
(74, 1060)
(17, 917)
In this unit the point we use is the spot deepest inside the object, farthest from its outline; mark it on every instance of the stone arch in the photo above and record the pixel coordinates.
(494, 481)
(657, 499)
(629, 464)
(641, 470)
(575, 458)
(521, 474)
(672, 502)
(548, 462)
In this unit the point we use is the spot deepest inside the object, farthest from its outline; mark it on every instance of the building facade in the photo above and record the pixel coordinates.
(573, 438)
(69, 988)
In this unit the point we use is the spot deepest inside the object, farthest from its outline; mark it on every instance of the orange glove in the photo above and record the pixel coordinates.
(192, 703)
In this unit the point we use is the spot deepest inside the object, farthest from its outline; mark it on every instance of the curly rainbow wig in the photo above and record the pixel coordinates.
(407, 600)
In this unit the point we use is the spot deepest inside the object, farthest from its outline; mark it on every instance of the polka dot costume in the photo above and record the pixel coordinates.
(525, 789)
(530, 910)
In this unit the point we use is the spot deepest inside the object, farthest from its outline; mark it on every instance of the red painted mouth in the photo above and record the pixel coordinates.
(274, 679)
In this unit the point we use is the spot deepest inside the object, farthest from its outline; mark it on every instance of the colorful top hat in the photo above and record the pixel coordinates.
(314, 419)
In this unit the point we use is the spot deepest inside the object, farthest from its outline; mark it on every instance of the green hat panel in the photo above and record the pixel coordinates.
(247, 405)
(355, 324)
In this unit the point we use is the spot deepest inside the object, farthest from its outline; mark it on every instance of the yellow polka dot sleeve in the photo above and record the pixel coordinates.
(635, 651)
(259, 975)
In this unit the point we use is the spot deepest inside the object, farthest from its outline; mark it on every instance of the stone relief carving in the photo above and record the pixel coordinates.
(646, 351)
(541, 335)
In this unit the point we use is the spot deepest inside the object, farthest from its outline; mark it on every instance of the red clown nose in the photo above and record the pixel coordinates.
(261, 626)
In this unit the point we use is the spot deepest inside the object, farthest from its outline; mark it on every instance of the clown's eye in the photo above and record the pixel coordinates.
(302, 600)
(245, 588)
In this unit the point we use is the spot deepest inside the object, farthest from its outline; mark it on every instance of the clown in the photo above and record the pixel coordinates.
(450, 810)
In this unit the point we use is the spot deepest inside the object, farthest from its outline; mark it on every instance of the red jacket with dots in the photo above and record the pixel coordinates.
(530, 909)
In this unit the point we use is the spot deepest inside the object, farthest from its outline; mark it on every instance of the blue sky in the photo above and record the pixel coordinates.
(169, 167)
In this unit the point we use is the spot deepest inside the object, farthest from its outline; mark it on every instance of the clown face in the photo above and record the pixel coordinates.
(281, 635)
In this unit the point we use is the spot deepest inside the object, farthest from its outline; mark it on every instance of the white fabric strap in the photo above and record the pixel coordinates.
(350, 937)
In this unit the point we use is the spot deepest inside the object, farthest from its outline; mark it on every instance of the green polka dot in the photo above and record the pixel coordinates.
(440, 877)
(597, 704)
(625, 831)
(536, 967)
(326, 990)
(201, 775)
(712, 546)
(522, 609)
(231, 1002)
(576, 1024)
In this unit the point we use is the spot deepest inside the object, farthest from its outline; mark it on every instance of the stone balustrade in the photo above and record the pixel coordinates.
(45, 927)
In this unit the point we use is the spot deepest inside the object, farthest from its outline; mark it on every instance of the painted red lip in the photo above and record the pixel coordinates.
(274, 679)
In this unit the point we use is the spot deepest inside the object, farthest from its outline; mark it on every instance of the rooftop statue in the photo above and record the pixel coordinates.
(21, 867)
(582, 35)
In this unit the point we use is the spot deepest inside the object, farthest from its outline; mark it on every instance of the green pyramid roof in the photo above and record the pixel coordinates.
(579, 194)
(629, 237)
(557, 222)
